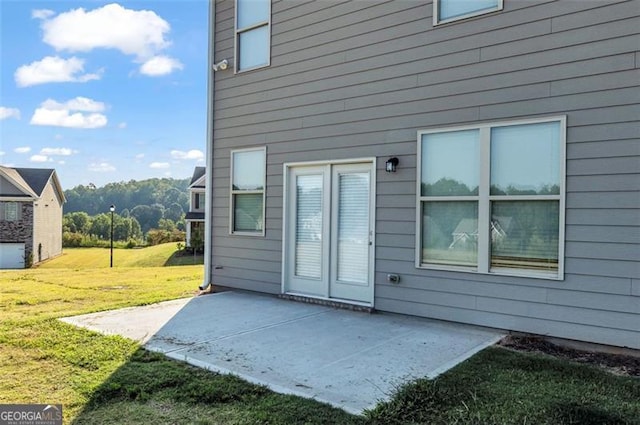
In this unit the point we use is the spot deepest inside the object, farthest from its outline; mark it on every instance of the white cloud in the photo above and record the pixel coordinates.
(42, 13)
(101, 167)
(77, 104)
(57, 151)
(160, 65)
(122, 125)
(140, 156)
(40, 158)
(140, 33)
(192, 154)
(58, 114)
(9, 113)
(159, 165)
(23, 149)
(53, 69)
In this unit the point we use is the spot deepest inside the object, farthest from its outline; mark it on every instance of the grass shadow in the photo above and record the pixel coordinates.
(182, 258)
(151, 388)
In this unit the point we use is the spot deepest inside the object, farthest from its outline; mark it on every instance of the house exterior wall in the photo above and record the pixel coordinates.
(360, 79)
(21, 230)
(47, 227)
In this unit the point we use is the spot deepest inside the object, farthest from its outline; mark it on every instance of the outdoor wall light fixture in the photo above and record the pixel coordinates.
(220, 66)
(392, 165)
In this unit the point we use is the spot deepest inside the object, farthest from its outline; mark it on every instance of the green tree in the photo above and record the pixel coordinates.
(174, 212)
(101, 226)
(166, 224)
(79, 222)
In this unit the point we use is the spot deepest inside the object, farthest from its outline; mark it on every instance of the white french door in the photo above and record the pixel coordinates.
(328, 240)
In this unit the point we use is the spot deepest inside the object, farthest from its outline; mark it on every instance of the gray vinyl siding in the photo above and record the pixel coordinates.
(359, 79)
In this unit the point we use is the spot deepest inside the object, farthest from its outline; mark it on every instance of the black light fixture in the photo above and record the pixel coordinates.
(112, 208)
(392, 165)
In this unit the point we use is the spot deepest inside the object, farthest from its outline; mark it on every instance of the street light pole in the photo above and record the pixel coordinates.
(112, 208)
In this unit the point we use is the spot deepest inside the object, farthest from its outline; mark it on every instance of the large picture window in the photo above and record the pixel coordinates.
(248, 171)
(453, 10)
(253, 34)
(491, 198)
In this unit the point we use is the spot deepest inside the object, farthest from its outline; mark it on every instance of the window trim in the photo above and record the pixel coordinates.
(236, 43)
(198, 205)
(436, 13)
(14, 206)
(484, 200)
(233, 192)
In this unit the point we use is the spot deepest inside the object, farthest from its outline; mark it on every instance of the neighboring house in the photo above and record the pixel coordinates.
(194, 219)
(30, 216)
(494, 108)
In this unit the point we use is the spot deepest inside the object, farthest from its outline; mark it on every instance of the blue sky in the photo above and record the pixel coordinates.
(103, 91)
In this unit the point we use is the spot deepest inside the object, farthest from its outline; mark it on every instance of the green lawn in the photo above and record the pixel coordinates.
(111, 380)
(94, 258)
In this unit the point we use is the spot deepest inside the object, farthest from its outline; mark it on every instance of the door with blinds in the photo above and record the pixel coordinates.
(329, 241)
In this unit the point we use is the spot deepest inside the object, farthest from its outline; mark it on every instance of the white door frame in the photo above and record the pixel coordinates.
(286, 231)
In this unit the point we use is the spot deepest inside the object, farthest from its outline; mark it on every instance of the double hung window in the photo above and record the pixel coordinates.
(199, 201)
(9, 211)
(247, 191)
(491, 198)
(253, 34)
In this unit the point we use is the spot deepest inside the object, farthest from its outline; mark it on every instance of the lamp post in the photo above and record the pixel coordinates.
(112, 208)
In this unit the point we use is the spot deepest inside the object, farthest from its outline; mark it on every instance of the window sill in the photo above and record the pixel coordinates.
(497, 272)
(437, 23)
(251, 234)
(253, 68)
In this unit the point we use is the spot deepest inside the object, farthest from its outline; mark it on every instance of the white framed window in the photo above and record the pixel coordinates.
(253, 34)
(248, 176)
(10, 211)
(453, 10)
(199, 200)
(491, 198)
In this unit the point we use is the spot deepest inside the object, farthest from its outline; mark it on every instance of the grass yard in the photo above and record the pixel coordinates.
(111, 380)
(94, 258)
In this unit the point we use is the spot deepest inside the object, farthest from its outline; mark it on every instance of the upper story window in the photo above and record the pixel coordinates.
(491, 198)
(452, 10)
(9, 211)
(253, 34)
(199, 200)
(248, 174)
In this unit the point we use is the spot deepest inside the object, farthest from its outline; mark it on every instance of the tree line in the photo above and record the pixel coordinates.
(148, 201)
(149, 211)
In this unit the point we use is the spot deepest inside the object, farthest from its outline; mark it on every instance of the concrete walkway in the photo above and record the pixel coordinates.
(349, 359)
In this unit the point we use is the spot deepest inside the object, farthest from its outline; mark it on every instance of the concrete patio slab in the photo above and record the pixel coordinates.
(351, 360)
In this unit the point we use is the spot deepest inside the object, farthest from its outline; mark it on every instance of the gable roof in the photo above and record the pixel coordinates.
(32, 181)
(13, 185)
(36, 178)
(198, 174)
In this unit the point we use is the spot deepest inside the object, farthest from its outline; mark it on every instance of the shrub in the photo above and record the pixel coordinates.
(72, 240)
(158, 236)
